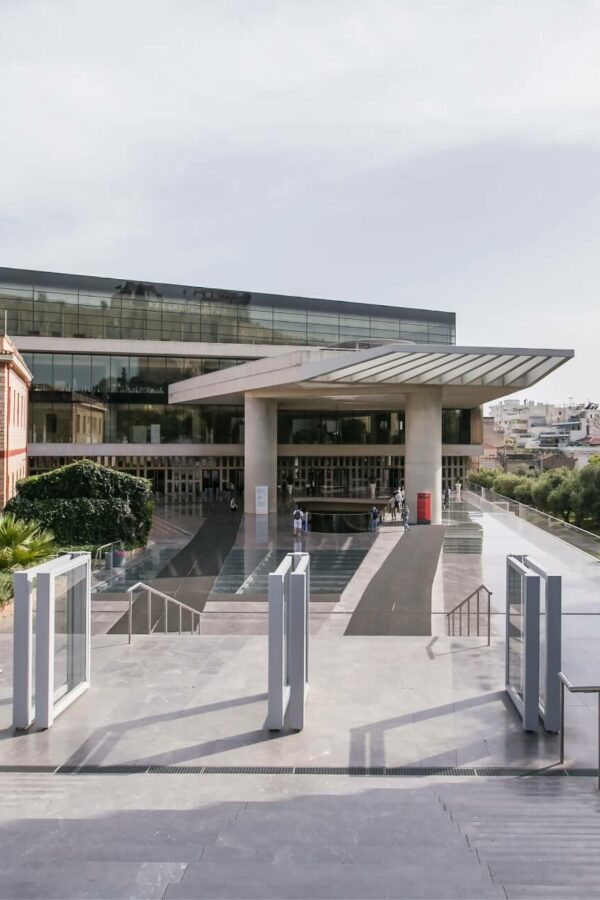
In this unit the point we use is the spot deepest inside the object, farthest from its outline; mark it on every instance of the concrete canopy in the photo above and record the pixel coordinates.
(374, 377)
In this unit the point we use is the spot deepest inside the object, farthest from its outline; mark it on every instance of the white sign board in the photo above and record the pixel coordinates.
(261, 500)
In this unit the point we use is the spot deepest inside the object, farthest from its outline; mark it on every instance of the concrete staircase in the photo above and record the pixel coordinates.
(174, 837)
(540, 838)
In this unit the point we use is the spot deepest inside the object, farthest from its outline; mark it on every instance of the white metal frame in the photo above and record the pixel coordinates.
(548, 660)
(551, 661)
(44, 709)
(528, 704)
(289, 621)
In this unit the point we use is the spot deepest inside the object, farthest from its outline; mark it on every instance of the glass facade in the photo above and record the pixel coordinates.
(53, 305)
(97, 398)
(340, 427)
(456, 426)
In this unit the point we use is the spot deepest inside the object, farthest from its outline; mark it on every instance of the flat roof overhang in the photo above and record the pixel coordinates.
(375, 377)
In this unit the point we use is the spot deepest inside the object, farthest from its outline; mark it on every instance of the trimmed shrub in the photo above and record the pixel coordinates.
(85, 503)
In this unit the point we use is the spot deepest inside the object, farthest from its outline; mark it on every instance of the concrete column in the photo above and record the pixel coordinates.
(423, 450)
(476, 425)
(260, 450)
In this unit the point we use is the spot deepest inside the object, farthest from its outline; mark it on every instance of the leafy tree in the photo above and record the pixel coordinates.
(483, 477)
(523, 490)
(505, 483)
(544, 485)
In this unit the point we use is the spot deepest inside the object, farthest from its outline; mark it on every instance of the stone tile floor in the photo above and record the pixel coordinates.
(373, 701)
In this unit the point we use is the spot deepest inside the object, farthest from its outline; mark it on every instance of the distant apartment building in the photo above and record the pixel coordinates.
(530, 426)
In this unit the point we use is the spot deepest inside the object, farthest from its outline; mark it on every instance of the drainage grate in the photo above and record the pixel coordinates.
(249, 770)
(516, 771)
(357, 771)
(361, 771)
(112, 770)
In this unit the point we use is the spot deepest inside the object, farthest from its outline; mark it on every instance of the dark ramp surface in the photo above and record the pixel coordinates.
(188, 576)
(397, 600)
(206, 552)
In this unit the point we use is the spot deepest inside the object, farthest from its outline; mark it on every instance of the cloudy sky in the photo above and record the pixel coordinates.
(429, 153)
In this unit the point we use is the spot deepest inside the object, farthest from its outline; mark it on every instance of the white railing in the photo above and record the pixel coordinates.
(52, 622)
(194, 614)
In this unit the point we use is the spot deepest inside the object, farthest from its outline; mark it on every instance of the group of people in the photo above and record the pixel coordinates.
(396, 506)
(300, 521)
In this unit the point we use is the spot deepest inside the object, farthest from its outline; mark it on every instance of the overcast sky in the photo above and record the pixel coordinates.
(433, 154)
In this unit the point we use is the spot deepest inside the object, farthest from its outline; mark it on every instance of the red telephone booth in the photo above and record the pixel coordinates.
(423, 508)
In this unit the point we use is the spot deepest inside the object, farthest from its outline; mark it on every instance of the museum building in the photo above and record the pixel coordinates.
(200, 388)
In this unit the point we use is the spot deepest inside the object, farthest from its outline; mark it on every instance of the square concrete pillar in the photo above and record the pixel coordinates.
(260, 450)
(423, 450)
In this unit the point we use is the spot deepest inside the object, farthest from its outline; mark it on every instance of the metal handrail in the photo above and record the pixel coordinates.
(576, 689)
(105, 547)
(451, 616)
(166, 600)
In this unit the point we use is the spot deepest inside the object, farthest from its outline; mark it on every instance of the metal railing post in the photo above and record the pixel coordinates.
(469, 619)
(149, 601)
(478, 591)
(489, 618)
(460, 621)
(166, 613)
(180, 609)
(130, 617)
(562, 722)
(599, 741)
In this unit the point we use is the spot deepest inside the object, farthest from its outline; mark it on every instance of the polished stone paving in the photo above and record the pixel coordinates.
(373, 702)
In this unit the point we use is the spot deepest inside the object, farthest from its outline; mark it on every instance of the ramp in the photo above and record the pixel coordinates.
(397, 600)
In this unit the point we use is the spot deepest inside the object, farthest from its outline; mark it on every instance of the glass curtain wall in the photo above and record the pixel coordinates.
(101, 308)
(89, 398)
(297, 427)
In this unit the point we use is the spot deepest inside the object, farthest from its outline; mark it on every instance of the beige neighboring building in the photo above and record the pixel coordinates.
(493, 441)
(15, 379)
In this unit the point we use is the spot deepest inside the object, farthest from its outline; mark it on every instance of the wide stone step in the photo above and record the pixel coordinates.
(560, 890)
(289, 881)
(544, 872)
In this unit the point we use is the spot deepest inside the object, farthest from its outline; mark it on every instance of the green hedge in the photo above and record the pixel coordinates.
(573, 494)
(85, 503)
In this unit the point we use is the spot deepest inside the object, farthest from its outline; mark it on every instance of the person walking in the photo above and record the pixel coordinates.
(374, 519)
(405, 514)
(232, 507)
(447, 497)
(297, 521)
(304, 521)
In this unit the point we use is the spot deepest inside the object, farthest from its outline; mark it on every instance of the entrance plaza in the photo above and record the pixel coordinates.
(412, 776)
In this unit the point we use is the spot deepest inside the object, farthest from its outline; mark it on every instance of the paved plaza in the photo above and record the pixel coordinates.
(162, 780)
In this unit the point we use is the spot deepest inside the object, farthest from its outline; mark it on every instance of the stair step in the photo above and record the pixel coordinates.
(288, 881)
(560, 890)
